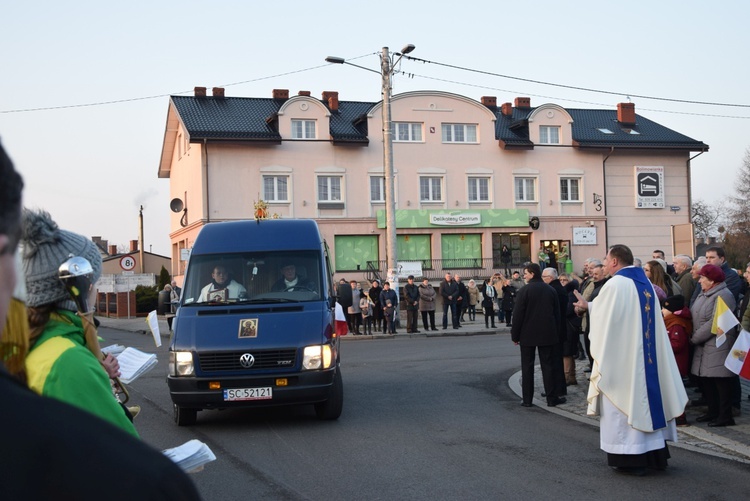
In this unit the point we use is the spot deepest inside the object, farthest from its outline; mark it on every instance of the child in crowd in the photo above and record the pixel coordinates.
(679, 324)
(389, 312)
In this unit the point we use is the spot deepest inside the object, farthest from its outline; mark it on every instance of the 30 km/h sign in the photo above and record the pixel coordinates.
(127, 263)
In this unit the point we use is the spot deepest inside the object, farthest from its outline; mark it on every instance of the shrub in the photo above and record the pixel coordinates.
(146, 298)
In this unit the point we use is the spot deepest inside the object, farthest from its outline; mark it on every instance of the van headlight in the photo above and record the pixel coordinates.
(181, 363)
(317, 357)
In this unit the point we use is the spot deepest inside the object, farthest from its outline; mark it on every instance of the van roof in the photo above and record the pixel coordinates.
(264, 235)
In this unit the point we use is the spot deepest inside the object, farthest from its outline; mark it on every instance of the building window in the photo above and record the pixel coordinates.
(461, 251)
(549, 135)
(570, 189)
(353, 252)
(275, 188)
(479, 189)
(405, 132)
(329, 189)
(430, 189)
(303, 129)
(525, 189)
(459, 133)
(377, 189)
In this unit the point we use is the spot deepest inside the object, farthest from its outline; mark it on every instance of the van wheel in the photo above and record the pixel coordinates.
(185, 417)
(331, 408)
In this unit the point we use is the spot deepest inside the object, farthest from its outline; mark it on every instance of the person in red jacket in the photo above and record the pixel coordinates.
(679, 324)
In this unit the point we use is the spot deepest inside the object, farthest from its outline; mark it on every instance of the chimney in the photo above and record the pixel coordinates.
(523, 102)
(489, 101)
(218, 92)
(332, 99)
(133, 245)
(112, 250)
(507, 109)
(303, 93)
(281, 94)
(626, 113)
(200, 92)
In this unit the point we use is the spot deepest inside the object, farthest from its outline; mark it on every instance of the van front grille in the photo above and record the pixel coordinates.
(263, 359)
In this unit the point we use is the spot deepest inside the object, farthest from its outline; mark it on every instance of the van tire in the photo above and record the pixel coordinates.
(185, 417)
(331, 408)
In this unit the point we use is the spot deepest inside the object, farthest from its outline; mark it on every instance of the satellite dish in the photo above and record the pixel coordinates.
(176, 205)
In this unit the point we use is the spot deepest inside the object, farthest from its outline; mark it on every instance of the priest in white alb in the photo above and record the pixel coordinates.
(635, 386)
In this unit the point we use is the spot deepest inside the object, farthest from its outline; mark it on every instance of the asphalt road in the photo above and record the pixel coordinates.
(429, 418)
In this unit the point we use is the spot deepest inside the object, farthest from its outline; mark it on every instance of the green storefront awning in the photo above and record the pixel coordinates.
(479, 218)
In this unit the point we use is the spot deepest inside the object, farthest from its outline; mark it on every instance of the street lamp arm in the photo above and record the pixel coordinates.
(341, 60)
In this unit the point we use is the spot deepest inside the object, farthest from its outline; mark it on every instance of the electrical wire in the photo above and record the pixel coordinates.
(573, 87)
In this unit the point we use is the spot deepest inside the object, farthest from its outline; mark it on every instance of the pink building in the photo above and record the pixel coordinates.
(471, 176)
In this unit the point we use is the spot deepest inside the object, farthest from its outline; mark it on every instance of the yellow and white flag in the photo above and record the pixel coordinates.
(724, 321)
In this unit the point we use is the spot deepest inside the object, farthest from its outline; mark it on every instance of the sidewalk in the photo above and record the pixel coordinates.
(731, 442)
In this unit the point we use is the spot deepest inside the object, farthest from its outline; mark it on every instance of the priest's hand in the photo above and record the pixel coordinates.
(581, 305)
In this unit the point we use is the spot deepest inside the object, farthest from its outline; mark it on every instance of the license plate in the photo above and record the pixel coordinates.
(234, 394)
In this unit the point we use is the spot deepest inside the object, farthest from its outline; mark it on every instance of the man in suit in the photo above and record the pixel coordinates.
(536, 319)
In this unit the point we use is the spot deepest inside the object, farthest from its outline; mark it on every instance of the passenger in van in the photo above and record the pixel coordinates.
(291, 281)
(222, 287)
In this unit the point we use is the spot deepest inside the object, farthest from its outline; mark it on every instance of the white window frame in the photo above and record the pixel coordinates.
(435, 183)
(275, 198)
(528, 196)
(448, 133)
(412, 132)
(545, 136)
(569, 180)
(380, 187)
(301, 129)
(329, 188)
(477, 182)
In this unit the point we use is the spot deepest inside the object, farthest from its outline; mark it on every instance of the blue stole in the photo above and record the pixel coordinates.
(648, 310)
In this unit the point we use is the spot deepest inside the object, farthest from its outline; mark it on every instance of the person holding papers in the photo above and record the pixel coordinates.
(59, 364)
(710, 353)
(221, 288)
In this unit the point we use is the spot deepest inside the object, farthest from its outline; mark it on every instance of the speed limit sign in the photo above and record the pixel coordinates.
(127, 263)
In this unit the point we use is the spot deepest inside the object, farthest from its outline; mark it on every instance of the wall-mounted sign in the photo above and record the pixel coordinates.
(127, 263)
(460, 219)
(649, 187)
(584, 235)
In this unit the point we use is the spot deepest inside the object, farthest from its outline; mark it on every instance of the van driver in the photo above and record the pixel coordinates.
(221, 288)
(291, 281)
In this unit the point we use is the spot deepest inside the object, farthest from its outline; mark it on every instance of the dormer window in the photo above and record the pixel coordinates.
(549, 134)
(303, 129)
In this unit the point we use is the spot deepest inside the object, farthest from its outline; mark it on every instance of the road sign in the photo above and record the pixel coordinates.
(127, 263)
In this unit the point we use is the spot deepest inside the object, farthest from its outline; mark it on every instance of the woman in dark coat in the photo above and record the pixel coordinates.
(509, 300)
(377, 308)
(573, 321)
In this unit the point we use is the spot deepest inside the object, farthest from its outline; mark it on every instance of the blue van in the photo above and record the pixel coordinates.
(256, 321)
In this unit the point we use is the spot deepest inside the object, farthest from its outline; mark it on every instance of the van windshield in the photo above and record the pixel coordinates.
(253, 277)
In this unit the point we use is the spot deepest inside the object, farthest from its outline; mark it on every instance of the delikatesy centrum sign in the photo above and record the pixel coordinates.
(465, 219)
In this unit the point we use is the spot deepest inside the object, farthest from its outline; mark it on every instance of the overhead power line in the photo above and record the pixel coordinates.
(573, 87)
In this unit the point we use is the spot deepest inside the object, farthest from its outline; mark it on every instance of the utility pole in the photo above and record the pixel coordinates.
(391, 248)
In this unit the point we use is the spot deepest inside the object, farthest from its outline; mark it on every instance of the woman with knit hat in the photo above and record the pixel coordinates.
(708, 358)
(59, 364)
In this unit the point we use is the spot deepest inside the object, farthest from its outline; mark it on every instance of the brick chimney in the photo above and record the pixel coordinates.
(303, 93)
(218, 92)
(112, 250)
(626, 113)
(133, 245)
(332, 99)
(281, 94)
(507, 109)
(200, 92)
(523, 102)
(489, 101)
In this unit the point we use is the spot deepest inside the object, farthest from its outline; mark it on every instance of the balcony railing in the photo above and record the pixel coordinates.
(435, 269)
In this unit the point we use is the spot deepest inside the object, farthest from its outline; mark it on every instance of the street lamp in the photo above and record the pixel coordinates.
(386, 71)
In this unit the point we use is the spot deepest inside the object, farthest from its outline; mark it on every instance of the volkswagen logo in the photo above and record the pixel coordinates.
(247, 360)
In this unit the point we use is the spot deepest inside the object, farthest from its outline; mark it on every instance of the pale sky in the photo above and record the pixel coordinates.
(92, 167)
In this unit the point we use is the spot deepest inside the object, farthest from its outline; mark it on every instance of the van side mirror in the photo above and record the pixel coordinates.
(332, 300)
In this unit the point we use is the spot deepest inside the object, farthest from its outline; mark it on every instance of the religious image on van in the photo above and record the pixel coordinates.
(249, 327)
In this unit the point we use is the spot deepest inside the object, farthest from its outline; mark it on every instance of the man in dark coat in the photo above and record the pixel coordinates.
(462, 301)
(535, 327)
(549, 276)
(411, 298)
(449, 293)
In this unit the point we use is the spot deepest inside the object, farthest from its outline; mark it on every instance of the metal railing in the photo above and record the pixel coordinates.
(435, 269)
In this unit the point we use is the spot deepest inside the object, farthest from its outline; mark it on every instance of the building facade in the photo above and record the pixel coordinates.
(470, 177)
